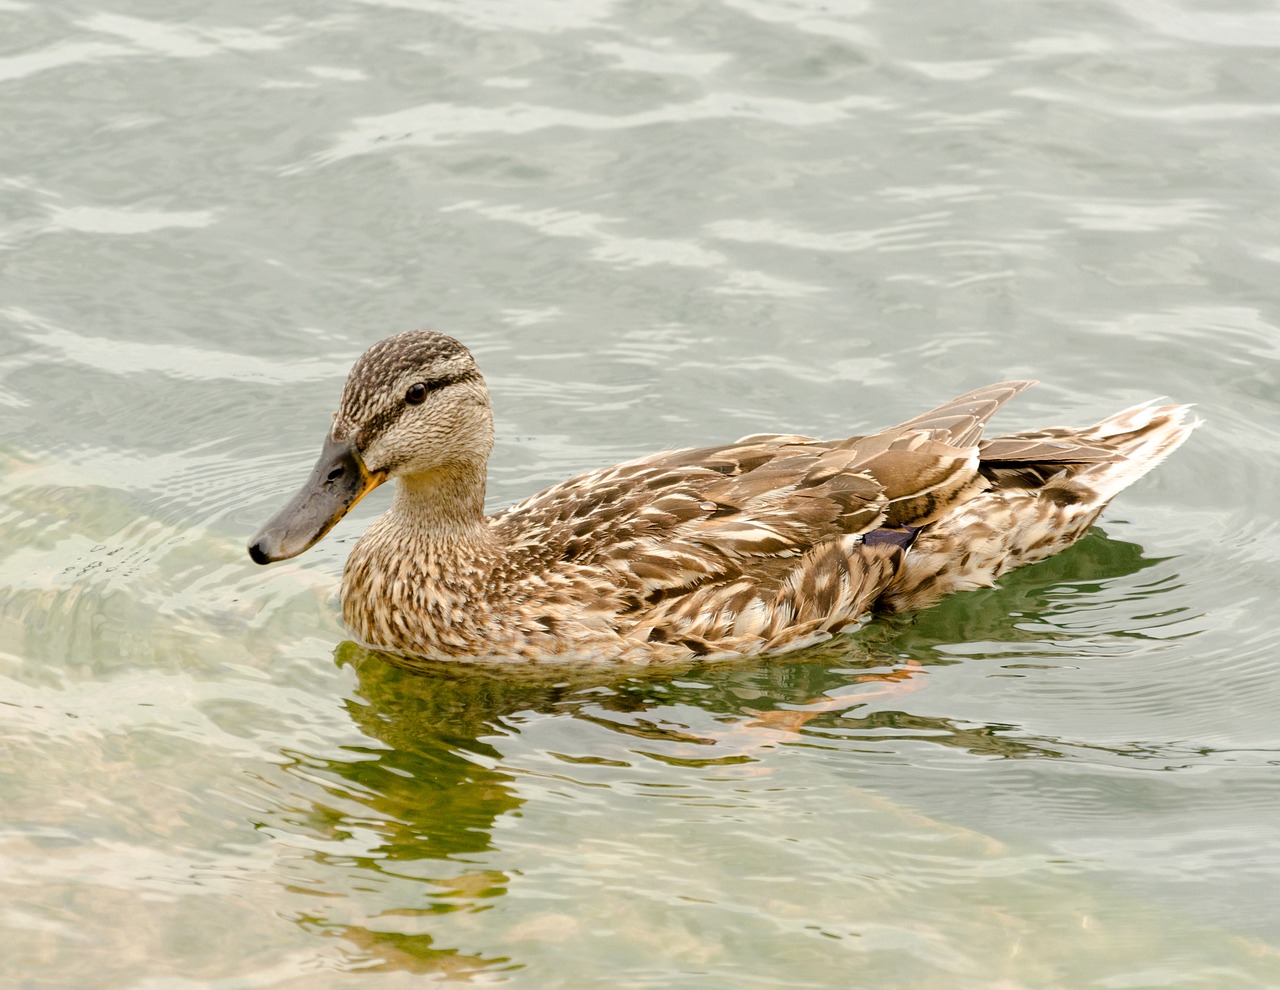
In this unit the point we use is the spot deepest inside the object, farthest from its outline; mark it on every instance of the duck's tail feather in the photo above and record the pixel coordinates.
(1142, 436)
(1121, 448)
(1104, 458)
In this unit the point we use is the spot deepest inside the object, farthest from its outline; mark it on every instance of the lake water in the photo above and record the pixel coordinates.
(655, 224)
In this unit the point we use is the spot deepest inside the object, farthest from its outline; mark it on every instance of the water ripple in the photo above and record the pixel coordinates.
(540, 16)
(98, 220)
(623, 251)
(434, 124)
(1222, 113)
(178, 361)
(1205, 25)
(181, 40)
(57, 56)
(896, 236)
(662, 60)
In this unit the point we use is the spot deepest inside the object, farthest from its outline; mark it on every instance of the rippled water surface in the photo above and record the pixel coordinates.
(655, 224)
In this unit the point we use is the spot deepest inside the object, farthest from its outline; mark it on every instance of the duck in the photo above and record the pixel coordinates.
(761, 546)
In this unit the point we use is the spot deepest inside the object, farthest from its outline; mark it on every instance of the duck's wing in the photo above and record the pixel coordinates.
(680, 519)
(930, 462)
(720, 550)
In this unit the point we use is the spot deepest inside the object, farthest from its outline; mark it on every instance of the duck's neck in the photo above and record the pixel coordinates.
(440, 512)
(413, 575)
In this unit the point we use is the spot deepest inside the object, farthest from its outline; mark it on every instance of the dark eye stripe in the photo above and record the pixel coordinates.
(379, 422)
(418, 391)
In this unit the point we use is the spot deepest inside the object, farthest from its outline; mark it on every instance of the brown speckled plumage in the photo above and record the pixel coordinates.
(763, 545)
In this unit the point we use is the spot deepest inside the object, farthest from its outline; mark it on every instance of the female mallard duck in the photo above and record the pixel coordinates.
(759, 546)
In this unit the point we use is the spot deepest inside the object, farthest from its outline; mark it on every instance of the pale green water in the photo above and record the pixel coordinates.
(655, 224)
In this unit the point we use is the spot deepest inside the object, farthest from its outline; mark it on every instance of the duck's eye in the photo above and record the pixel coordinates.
(417, 393)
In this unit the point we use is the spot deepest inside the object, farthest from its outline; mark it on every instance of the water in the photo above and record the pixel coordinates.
(655, 224)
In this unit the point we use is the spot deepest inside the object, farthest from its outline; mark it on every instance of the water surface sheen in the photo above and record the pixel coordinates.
(655, 224)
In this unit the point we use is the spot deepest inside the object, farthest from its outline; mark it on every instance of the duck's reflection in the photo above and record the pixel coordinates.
(414, 813)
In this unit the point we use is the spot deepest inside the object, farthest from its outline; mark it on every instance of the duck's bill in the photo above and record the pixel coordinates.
(339, 481)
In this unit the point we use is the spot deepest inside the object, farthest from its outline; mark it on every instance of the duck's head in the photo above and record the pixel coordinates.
(413, 404)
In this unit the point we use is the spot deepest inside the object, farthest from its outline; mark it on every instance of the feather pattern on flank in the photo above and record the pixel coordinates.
(760, 546)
